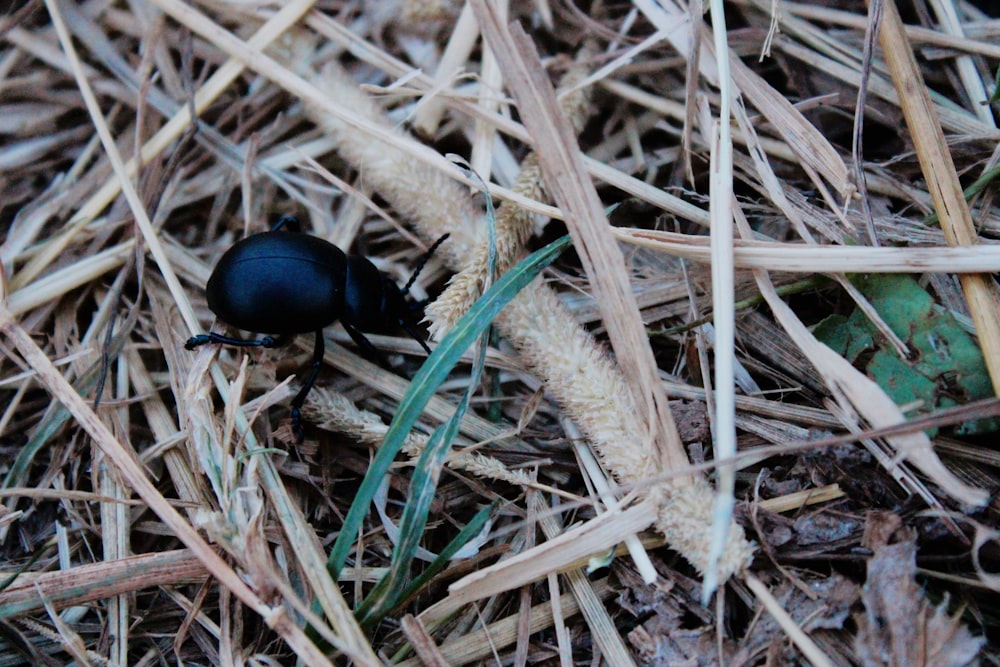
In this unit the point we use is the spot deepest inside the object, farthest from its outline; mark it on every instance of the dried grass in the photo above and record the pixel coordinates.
(142, 527)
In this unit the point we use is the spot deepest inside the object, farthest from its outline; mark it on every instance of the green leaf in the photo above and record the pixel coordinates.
(844, 336)
(900, 300)
(947, 365)
(899, 380)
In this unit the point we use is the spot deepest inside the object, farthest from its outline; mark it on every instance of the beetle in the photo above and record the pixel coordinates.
(286, 282)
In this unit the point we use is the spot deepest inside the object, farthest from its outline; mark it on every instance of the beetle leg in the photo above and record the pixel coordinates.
(219, 339)
(300, 398)
(368, 349)
(269, 342)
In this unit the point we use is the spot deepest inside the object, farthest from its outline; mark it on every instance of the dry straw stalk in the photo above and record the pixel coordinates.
(942, 181)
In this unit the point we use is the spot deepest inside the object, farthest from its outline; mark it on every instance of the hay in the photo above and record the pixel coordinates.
(154, 496)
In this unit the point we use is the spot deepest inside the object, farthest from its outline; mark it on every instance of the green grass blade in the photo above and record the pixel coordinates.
(425, 384)
(423, 487)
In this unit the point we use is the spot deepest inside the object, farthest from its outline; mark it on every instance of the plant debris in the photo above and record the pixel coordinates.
(765, 238)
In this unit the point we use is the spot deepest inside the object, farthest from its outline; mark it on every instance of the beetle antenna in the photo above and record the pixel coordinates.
(415, 335)
(422, 262)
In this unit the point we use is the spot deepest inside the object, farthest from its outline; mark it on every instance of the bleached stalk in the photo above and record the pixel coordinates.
(723, 298)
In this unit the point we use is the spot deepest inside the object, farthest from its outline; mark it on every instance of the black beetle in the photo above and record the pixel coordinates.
(287, 283)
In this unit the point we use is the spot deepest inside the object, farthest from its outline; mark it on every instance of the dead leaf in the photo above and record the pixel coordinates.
(899, 627)
(827, 608)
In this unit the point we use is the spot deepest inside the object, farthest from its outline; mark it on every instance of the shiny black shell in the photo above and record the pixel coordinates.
(279, 283)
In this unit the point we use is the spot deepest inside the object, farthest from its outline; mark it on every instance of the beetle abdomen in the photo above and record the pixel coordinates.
(279, 283)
